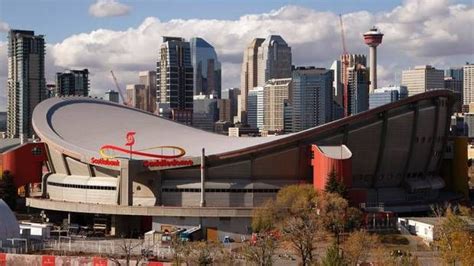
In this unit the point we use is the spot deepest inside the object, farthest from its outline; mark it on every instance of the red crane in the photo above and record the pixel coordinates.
(345, 62)
(125, 102)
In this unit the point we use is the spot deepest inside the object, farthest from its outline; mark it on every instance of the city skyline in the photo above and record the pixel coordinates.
(311, 30)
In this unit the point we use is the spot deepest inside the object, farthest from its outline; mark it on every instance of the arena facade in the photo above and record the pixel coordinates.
(176, 175)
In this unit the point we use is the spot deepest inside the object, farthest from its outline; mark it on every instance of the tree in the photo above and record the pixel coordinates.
(334, 186)
(454, 239)
(333, 256)
(357, 246)
(8, 187)
(126, 251)
(336, 215)
(293, 213)
(261, 251)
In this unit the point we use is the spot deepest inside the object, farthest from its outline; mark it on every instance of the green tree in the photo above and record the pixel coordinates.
(335, 186)
(333, 256)
(8, 187)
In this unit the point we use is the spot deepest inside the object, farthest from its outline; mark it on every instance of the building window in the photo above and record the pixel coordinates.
(36, 151)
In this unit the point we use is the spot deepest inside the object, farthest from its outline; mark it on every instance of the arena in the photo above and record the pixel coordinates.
(175, 175)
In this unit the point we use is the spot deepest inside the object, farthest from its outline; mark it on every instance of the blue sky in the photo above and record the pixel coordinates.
(58, 19)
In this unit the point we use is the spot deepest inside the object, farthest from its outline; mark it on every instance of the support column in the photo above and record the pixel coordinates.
(203, 188)
(125, 191)
(373, 69)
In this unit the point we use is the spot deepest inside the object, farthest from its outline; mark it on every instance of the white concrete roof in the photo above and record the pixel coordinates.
(83, 125)
(340, 152)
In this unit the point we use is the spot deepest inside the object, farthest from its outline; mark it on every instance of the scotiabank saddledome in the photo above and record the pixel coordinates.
(395, 155)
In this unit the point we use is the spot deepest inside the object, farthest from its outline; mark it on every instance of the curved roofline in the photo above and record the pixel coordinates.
(43, 127)
(338, 123)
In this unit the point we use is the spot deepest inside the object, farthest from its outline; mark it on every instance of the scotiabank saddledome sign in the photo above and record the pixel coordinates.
(110, 153)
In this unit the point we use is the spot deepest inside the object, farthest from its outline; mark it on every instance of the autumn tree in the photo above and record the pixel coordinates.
(261, 251)
(300, 223)
(336, 215)
(293, 214)
(454, 239)
(357, 246)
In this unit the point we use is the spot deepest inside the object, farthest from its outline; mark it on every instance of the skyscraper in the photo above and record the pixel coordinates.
(206, 68)
(275, 92)
(136, 93)
(349, 61)
(72, 82)
(248, 74)
(233, 95)
(468, 84)
(205, 112)
(358, 89)
(274, 60)
(422, 79)
(175, 79)
(255, 107)
(225, 113)
(338, 88)
(26, 82)
(148, 78)
(112, 96)
(453, 80)
(311, 97)
(386, 95)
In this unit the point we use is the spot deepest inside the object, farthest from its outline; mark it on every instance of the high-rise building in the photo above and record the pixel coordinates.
(338, 88)
(206, 68)
(26, 81)
(175, 79)
(205, 112)
(274, 60)
(225, 110)
(358, 89)
(255, 108)
(453, 81)
(349, 61)
(311, 97)
(248, 75)
(275, 92)
(373, 38)
(386, 95)
(72, 82)
(287, 117)
(422, 79)
(136, 94)
(148, 78)
(233, 95)
(112, 96)
(468, 84)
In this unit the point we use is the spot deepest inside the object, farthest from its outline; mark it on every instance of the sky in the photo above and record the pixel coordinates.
(125, 36)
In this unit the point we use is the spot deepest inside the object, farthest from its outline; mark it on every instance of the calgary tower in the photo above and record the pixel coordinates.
(373, 38)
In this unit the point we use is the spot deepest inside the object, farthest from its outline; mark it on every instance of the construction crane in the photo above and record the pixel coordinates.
(345, 62)
(125, 102)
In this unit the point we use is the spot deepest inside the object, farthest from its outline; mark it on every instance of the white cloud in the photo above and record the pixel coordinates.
(108, 8)
(441, 35)
(4, 27)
